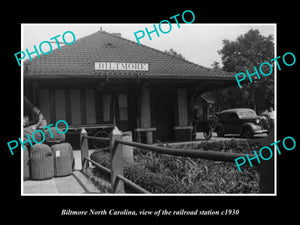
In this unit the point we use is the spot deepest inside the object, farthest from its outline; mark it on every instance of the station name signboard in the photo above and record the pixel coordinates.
(121, 66)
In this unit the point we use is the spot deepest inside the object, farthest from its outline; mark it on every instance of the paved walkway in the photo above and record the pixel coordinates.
(76, 183)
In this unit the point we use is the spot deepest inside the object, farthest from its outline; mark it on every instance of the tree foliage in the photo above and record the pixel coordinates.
(174, 53)
(249, 50)
(245, 53)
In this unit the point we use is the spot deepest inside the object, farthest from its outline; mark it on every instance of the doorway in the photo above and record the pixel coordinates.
(164, 114)
(116, 110)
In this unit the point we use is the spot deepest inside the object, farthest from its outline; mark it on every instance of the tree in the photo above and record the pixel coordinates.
(247, 51)
(216, 65)
(174, 53)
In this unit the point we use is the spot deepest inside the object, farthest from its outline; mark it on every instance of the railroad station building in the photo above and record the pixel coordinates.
(103, 79)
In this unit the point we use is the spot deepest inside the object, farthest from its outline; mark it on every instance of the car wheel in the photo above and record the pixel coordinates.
(194, 134)
(247, 132)
(220, 130)
(208, 133)
(101, 144)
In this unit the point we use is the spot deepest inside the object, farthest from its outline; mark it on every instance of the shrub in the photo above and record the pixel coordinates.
(103, 158)
(153, 182)
(99, 179)
(159, 173)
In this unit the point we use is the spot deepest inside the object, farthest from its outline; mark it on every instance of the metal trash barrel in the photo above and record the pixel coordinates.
(63, 159)
(26, 174)
(41, 162)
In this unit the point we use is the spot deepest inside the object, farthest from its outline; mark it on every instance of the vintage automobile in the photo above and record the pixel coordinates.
(241, 121)
(203, 119)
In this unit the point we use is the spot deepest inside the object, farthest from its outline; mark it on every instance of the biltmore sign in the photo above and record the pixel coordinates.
(121, 66)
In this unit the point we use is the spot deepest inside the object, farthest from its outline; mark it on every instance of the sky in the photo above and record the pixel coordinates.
(196, 42)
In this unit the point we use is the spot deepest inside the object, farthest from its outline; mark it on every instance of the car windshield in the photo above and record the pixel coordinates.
(246, 114)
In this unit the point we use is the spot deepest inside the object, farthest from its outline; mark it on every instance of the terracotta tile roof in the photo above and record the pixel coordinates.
(78, 60)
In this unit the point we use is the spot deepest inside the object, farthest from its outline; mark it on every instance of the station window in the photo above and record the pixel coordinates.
(90, 106)
(106, 107)
(60, 104)
(75, 106)
(45, 104)
(123, 107)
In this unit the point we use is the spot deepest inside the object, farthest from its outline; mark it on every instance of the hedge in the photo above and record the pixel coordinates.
(170, 174)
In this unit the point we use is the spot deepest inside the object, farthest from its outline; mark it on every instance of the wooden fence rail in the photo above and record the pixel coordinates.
(124, 179)
(203, 154)
(116, 158)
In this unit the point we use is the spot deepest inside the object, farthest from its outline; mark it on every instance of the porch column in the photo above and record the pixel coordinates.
(183, 132)
(146, 116)
(182, 107)
(145, 109)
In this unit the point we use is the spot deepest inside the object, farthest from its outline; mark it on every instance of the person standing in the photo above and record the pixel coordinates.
(270, 114)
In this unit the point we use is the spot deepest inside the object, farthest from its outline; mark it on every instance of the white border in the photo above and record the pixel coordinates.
(205, 24)
(22, 110)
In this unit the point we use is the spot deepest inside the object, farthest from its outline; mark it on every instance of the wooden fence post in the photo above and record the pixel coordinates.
(116, 157)
(127, 150)
(266, 168)
(84, 148)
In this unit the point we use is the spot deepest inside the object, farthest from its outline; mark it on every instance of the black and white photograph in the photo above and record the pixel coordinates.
(121, 114)
(144, 109)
